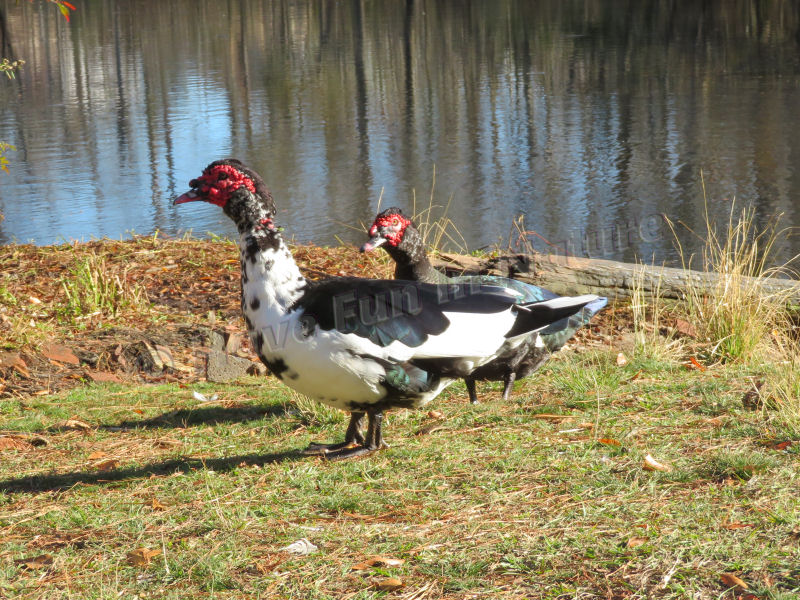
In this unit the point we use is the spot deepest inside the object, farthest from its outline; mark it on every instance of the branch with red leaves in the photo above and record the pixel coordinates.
(63, 6)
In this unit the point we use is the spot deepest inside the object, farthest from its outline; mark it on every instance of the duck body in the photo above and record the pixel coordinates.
(519, 357)
(360, 345)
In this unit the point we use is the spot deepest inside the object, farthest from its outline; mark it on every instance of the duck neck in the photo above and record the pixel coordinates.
(416, 270)
(271, 280)
(412, 262)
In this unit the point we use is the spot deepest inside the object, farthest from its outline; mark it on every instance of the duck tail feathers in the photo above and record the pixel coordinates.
(555, 313)
(554, 336)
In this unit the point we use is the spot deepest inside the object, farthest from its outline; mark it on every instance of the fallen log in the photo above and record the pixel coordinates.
(576, 275)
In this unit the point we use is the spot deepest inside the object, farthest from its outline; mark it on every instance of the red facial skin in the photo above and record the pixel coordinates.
(392, 228)
(218, 183)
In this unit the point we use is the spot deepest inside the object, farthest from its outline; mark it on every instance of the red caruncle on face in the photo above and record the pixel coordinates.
(217, 184)
(391, 228)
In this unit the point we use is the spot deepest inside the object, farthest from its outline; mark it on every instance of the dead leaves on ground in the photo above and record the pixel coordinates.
(75, 424)
(13, 362)
(13, 442)
(21, 442)
(730, 580)
(553, 418)
(106, 465)
(155, 504)
(651, 464)
(60, 354)
(609, 442)
(389, 584)
(377, 561)
(386, 584)
(436, 425)
(141, 557)
(736, 525)
(35, 563)
(635, 542)
(684, 328)
(693, 363)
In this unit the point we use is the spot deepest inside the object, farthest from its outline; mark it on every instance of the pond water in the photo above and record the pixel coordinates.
(592, 119)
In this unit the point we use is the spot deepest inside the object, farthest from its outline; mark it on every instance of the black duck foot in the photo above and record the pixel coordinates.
(315, 449)
(352, 438)
(353, 452)
(355, 444)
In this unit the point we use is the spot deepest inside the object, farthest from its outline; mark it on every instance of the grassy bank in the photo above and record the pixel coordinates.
(635, 475)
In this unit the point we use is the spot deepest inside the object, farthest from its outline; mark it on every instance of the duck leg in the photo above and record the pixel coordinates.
(373, 442)
(470, 383)
(509, 379)
(353, 437)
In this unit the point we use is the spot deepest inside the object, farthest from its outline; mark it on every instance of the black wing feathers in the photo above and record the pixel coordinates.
(387, 310)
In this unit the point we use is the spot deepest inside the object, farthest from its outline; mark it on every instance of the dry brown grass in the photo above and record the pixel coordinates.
(439, 231)
(738, 315)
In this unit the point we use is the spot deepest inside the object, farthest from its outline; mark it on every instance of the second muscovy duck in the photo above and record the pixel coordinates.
(397, 234)
(361, 345)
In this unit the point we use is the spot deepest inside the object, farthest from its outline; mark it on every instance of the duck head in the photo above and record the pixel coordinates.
(389, 230)
(238, 190)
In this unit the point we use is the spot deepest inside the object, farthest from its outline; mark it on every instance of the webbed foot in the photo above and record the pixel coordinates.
(316, 449)
(372, 443)
(352, 438)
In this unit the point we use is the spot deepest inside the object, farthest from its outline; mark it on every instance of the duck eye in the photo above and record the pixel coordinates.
(222, 176)
(395, 221)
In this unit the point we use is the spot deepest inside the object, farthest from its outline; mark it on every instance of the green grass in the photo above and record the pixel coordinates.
(90, 288)
(500, 503)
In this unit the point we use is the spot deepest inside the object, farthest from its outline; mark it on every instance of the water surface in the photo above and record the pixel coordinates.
(592, 119)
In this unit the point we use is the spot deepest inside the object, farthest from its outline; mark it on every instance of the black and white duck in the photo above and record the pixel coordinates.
(396, 233)
(360, 345)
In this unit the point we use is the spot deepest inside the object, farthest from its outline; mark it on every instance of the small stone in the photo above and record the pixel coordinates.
(165, 354)
(301, 546)
(223, 367)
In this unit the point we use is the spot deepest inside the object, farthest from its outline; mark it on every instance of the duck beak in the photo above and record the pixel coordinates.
(374, 242)
(190, 196)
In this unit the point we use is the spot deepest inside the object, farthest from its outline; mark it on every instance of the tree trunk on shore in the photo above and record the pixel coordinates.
(573, 275)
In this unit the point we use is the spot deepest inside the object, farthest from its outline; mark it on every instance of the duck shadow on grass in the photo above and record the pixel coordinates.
(202, 415)
(63, 481)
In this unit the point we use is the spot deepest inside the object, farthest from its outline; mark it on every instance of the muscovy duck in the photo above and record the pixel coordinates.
(361, 345)
(397, 234)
